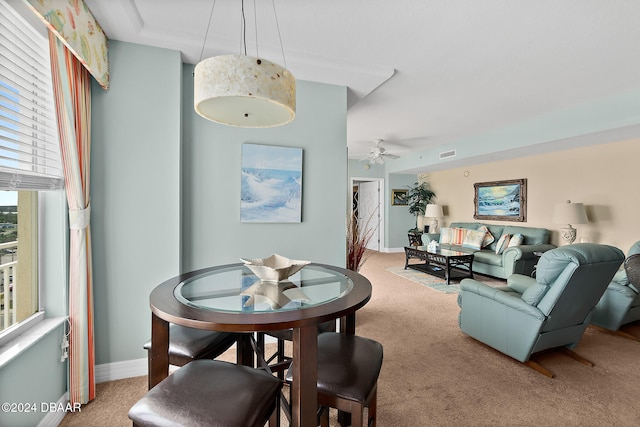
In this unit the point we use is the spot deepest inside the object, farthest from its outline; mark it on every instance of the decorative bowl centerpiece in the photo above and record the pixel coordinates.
(274, 268)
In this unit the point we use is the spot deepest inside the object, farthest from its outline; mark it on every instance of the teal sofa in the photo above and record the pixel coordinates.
(549, 311)
(620, 304)
(520, 259)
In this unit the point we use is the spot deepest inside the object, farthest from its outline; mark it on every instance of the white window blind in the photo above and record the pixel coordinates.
(29, 148)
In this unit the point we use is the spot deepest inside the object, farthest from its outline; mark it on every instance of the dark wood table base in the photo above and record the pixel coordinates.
(447, 267)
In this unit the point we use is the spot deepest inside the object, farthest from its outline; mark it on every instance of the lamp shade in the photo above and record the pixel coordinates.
(569, 213)
(244, 91)
(433, 211)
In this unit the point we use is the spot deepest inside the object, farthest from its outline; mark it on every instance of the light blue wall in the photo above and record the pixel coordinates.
(135, 193)
(212, 232)
(398, 219)
(37, 375)
(358, 169)
(164, 180)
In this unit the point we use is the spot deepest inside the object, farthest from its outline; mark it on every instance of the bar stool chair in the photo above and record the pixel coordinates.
(210, 393)
(278, 361)
(348, 371)
(189, 344)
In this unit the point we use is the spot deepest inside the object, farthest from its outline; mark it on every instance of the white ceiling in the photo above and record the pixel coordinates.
(420, 73)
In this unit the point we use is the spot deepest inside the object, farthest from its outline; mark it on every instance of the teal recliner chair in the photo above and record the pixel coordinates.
(620, 304)
(549, 311)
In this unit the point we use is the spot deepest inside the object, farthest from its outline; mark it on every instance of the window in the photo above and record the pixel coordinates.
(29, 159)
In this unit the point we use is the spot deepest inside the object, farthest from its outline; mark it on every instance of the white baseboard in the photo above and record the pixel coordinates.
(392, 250)
(54, 418)
(134, 368)
(119, 370)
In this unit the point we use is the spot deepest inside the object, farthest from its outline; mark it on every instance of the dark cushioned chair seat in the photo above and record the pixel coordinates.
(348, 365)
(187, 344)
(348, 370)
(209, 393)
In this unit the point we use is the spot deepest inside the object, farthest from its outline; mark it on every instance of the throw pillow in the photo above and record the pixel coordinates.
(473, 239)
(457, 235)
(503, 243)
(445, 235)
(516, 240)
(488, 237)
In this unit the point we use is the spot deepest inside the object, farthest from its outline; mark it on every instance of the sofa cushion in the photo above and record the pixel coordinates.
(516, 240)
(488, 237)
(473, 239)
(532, 236)
(503, 243)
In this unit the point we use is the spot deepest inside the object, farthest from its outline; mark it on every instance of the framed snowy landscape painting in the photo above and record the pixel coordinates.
(271, 189)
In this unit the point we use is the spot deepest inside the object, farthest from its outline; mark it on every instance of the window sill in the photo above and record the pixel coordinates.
(28, 338)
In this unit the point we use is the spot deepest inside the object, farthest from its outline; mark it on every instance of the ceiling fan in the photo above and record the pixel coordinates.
(377, 154)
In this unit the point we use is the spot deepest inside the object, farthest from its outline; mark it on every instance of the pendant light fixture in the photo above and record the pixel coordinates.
(244, 91)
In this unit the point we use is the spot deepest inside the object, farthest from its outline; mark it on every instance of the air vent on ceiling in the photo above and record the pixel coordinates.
(447, 154)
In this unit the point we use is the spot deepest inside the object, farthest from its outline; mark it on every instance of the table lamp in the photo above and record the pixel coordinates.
(434, 212)
(569, 213)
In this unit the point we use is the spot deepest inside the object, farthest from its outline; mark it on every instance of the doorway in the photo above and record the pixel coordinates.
(368, 209)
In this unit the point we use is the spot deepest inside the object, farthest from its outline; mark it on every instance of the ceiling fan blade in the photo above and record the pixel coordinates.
(391, 156)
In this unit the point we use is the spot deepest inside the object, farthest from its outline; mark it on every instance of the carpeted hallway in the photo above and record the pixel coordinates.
(434, 375)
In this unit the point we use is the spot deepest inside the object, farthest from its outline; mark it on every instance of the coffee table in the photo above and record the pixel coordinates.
(443, 263)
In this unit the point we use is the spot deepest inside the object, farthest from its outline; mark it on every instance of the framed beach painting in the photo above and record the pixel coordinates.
(399, 198)
(271, 187)
(501, 200)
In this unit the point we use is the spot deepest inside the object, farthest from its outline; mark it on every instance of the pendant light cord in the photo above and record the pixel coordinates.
(255, 24)
(244, 30)
(284, 61)
(208, 26)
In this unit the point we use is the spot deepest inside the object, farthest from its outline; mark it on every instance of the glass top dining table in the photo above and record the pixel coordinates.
(231, 298)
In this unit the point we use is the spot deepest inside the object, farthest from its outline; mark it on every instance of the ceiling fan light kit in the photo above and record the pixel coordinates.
(244, 91)
(377, 154)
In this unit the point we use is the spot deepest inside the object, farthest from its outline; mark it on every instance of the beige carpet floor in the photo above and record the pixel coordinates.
(434, 375)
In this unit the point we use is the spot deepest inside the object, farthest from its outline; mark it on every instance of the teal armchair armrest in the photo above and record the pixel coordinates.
(520, 283)
(507, 299)
(521, 259)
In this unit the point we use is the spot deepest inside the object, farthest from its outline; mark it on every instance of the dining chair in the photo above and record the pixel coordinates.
(210, 393)
(348, 371)
(279, 361)
(189, 344)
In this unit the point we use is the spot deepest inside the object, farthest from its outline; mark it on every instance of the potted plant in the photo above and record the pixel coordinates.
(419, 196)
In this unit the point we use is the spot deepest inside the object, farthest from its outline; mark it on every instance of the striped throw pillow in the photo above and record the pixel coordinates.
(458, 235)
